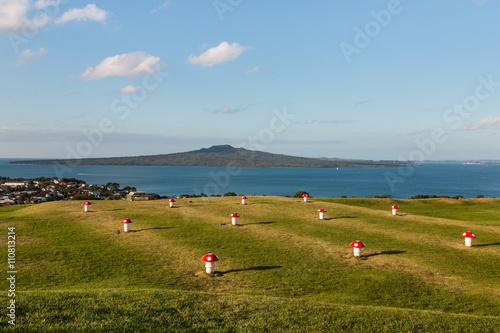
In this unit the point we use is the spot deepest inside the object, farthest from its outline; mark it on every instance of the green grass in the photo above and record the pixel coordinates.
(281, 268)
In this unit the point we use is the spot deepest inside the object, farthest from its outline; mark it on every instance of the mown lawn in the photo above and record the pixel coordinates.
(281, 267)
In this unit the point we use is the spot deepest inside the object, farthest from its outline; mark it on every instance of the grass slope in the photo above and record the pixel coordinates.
(281, 268)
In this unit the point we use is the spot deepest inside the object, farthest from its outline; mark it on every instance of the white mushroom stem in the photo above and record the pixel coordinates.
(210, 267)
(357, 252)
(468, 241)
(305, 199)
(243, 201)
(126, 227)
(86, 208)
(394, 211)
(321, 215)
(234, 220)
(171, 204)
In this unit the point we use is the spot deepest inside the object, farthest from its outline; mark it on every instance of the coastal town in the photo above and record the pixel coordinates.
(39, 190)
(20, 191)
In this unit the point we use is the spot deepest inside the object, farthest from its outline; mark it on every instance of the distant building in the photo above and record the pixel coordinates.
(15, 184)
(7, 201)
(96, 194)
(135, 196)
(39, 199)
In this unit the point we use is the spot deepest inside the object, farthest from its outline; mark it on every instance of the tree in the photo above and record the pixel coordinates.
(299, 194)
(129, 189)
(154, 196)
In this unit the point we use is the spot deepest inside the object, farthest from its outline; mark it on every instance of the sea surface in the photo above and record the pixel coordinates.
(438, 179)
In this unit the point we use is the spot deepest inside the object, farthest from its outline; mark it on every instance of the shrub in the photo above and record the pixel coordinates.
(299, 194)
(154, 196)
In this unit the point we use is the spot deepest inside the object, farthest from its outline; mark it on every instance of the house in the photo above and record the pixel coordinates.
(15, 184)
(38, 199)
(7, 201)
(96, 194)
(138, 195)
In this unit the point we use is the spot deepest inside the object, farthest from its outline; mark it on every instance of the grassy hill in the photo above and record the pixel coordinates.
(223, 155)
(281, 269)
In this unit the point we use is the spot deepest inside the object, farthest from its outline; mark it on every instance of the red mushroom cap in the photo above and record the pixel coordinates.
(234, 215)
(243, 197)
(86, 203)
(210, 257)
(305, 195)
(394, 207)
(469, 234)
(171, 200)
(321, 210)
(126, 221)
(357, 244)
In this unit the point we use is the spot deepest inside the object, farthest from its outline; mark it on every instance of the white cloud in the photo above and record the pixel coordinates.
(28, 53)
(90, 12)
(227, 109)
(361, 102)
(40, 4)
(483, 124)
(418, 132)
(127, 64)
(129, 90)
(222, 53)
(164, 5)
(18, 14)
(13, 16)
(254, 70)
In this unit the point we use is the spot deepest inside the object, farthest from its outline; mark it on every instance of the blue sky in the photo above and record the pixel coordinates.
(401, 80)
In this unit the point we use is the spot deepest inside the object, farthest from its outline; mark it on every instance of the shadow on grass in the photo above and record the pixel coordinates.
(269, 222)
(245, 224)
(338, 218)
(257, 268)
(492, 244)
(156, 228)
(384, 252)
(335, 218)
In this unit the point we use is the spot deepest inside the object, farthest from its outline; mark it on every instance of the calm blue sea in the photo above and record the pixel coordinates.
(438, 179)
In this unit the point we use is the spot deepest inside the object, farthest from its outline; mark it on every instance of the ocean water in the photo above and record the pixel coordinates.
(439, 179)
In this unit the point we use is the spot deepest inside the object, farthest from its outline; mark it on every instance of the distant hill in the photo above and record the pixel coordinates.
(222, 155)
